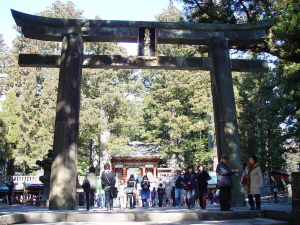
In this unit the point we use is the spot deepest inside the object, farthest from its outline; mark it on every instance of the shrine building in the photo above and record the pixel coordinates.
(144, 159)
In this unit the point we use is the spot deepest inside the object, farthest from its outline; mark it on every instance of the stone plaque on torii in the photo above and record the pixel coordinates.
(73, 32)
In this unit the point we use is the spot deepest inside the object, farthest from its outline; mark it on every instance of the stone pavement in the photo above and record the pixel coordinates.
(271, 213)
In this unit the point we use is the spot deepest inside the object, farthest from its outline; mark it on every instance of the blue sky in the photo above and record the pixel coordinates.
(137, 10)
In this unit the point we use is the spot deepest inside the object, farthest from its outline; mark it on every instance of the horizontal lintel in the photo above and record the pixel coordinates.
(135, 62)
(54, 29)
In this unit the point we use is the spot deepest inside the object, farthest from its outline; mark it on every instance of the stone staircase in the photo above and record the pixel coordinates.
(150, 216)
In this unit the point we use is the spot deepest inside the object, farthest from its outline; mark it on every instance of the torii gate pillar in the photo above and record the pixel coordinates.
(224, 111)
(64, 170)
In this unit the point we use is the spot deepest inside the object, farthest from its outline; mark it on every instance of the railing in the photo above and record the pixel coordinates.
(19, 180)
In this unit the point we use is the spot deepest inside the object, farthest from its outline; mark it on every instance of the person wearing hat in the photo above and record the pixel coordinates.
(224, 182)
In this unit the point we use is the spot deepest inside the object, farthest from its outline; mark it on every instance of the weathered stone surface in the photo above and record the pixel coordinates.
(163, 62)
(54, 29)
(64, 170)
(14, 219)
(296, 198)
(225, 112)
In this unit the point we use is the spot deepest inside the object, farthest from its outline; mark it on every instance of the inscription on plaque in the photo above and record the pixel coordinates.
(147, 42)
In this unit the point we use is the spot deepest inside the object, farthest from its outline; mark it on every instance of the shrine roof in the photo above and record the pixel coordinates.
(142, 150)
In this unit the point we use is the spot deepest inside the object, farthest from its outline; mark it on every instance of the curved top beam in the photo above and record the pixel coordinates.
(54, 29)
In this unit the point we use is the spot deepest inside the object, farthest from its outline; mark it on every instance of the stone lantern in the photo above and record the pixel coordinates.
(45, 179)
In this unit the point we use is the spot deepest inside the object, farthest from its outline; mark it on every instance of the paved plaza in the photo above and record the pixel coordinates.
(270, 213)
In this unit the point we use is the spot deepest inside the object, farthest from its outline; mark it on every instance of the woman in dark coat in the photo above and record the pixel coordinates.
(202, 178)
(145, 193)
(161, 192)
(10, 186)
(131, 190)
(108, 180)
(190, 181)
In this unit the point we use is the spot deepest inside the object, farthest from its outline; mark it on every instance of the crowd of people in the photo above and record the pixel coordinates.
(189, 189)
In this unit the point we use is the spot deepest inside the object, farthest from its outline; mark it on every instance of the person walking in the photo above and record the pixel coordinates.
(160, 194)
(210, 197)
(121, 194)
(190, 182)
(153, 197)
(179, 189)
(173, 196)
(101, 195)
(275, 190)
(253, 179)
(224, 183)
(90, 191)
(145, 192)
(218, 196)
(108, 179)
(202, 178)
(131, 191)
(10, 191)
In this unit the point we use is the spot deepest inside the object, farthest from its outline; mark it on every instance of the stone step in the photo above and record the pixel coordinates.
(252, 221)
(148, 218)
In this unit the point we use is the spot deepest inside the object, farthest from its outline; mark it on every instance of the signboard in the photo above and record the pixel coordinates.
(147, 41)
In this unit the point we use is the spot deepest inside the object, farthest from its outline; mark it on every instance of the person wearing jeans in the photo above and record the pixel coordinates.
(153, 197)
(178, 189)
(108, 179)
(101, 195)
(190, 183)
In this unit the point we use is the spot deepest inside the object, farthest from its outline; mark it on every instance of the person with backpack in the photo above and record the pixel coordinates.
(160, 194)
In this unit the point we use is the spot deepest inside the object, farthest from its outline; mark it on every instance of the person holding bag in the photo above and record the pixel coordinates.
(190, 181)
(252, 178)
(108, 180)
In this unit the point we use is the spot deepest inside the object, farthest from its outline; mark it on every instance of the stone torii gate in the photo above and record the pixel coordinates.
(73, 32)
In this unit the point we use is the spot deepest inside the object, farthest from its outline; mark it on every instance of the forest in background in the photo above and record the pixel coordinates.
(172, 108)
